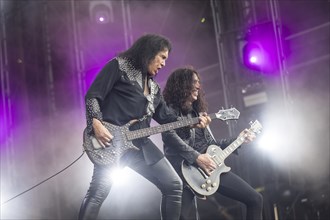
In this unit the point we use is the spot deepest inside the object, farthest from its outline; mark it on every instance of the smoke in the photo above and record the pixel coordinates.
(42, 147)
(299, 133)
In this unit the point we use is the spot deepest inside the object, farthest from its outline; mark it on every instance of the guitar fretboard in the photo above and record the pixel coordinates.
(232, 147)
(144, 132)
(255, 128)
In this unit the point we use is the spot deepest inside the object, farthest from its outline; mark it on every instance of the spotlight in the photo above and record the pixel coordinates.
(260, 51)
(101, 12)
(254, 56)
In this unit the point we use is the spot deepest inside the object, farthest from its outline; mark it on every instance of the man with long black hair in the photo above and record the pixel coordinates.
(125, 90)
(184, 95)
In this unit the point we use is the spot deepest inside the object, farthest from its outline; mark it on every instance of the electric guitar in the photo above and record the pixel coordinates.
(122, 137)
(206, 185)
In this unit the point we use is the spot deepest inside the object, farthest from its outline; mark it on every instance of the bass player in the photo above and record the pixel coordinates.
(125, 90)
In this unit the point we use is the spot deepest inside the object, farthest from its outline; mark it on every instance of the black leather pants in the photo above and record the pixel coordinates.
(234, 187)
(161, 174)
(231, 186)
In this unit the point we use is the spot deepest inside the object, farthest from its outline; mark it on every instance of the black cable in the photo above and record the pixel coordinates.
(43, 180)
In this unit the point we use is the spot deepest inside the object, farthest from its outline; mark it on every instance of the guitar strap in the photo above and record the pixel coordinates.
(209, 130)
(192, 134)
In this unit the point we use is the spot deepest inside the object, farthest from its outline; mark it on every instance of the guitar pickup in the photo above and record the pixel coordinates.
(202, 172)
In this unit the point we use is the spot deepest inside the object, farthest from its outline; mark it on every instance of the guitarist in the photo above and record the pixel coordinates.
(125, 90)
(183, 93)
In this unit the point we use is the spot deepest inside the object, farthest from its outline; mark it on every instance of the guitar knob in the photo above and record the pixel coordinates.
(208, 181)
(203, 186)
(208, 188)
(214, 184)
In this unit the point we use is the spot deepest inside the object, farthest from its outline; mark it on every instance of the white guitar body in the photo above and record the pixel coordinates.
(206, 185)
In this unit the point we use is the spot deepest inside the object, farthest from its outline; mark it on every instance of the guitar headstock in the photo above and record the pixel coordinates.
(227, 114)
(256, 127)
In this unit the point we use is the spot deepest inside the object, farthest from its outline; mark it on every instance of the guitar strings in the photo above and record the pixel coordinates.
(44, 180)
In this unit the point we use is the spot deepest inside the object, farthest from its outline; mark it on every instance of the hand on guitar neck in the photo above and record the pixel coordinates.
(248, 135)
(204, 120)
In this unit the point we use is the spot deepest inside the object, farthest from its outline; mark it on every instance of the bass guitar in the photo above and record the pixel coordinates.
(204, 184)
(122, 137)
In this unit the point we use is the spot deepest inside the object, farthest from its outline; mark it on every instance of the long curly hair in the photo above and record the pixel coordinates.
(178, 88)
(145, 49)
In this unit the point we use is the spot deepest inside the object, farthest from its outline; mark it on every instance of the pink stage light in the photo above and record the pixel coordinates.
(260, 53)
(254, 57)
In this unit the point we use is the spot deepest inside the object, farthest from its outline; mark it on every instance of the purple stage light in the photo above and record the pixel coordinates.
(254, 57)
(260, 52)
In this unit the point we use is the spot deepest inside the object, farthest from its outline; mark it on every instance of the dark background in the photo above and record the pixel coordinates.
(51, 51)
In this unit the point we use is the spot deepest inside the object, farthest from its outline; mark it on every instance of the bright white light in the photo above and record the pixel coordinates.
(253, 59)
(274, 140)
(269, 142)
(7, 208)
(119, 175)
(101, 19)
(256, 56)
(277, 139)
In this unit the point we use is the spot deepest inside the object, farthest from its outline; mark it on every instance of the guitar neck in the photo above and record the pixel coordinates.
(232, 147)
(145, 132)
(255, 128)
